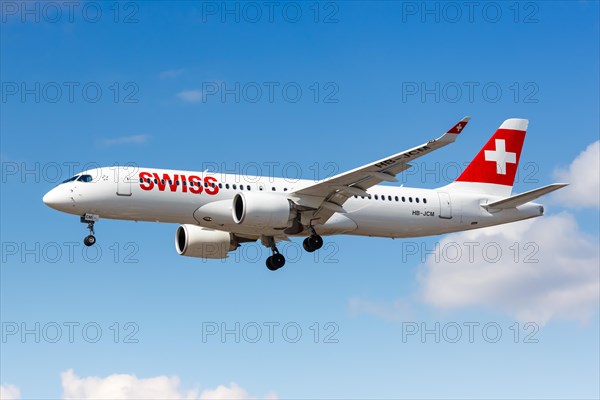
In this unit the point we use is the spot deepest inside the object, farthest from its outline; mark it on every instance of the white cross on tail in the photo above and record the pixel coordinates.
(500, 156)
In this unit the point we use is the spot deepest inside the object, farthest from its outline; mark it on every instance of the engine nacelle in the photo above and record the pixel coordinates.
(263, 210)
(195, 241)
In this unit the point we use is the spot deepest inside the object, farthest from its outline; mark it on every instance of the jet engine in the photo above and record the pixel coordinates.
(263, 210)
(195, 241)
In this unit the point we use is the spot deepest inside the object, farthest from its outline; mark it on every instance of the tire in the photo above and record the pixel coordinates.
(270, 266)
(316, 242)
(89, 240)
(277, 260)
(307, 246)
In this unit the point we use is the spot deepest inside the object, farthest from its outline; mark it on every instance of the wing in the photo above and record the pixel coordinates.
(328, 196)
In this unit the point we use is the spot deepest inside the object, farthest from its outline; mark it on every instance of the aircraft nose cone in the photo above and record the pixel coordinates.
(55, 199)
(51, 199)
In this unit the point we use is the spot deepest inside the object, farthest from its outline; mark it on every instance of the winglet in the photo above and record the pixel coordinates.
(456, 129)
(451, 135)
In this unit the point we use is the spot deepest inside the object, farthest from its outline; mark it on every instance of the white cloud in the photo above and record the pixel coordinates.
(126, 386)
(233, 392)
(560, 281)
(396, 311)
(191, 96)
(171, 73)
(121, 140)
(121, 386)
(583, 176)
(9, 392)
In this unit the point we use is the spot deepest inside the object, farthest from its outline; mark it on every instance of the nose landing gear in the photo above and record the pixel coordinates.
(89, 219)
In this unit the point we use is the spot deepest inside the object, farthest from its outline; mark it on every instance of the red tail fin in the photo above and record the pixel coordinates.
(497, 162)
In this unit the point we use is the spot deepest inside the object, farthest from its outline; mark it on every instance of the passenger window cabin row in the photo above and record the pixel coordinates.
(395, 198)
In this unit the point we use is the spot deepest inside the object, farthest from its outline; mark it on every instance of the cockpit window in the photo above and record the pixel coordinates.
(85, 178)
(71, 179)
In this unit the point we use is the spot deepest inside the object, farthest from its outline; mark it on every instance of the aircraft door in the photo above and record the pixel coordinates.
(445, 205)
(125, 177)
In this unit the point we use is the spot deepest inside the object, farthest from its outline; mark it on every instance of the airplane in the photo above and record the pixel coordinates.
(218, 214)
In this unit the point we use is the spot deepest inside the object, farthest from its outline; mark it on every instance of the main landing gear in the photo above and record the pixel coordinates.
(312, 243)
(89, 219)
(277, 260)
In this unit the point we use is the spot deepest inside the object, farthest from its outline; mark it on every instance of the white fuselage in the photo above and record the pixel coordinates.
(395, 212)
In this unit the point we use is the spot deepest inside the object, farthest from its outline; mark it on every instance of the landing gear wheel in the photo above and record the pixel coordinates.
(316, 242)
(89, 240)
(307, 246)
(312, 243)
(269, 265)
(275, 262)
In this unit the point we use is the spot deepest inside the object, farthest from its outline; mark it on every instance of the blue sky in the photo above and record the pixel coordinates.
(373, 79)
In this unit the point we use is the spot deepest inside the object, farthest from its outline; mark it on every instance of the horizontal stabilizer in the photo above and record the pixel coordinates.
(520, 199)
